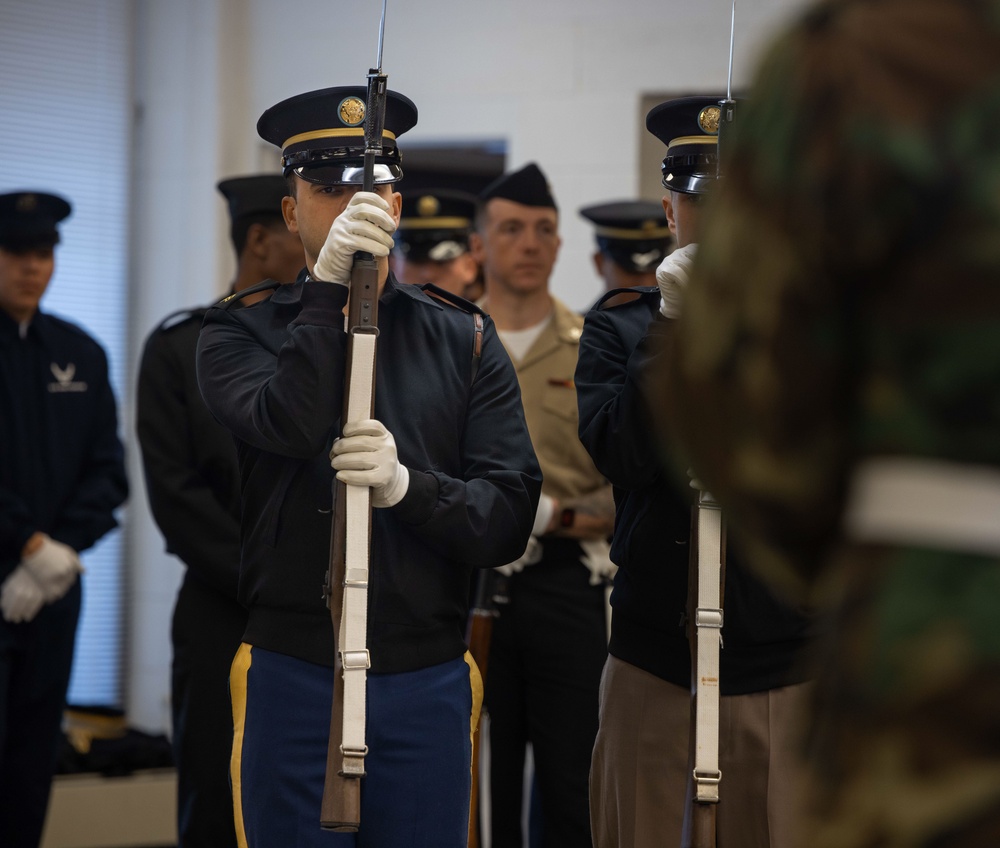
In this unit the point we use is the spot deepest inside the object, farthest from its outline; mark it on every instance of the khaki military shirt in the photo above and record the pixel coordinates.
(548, 394)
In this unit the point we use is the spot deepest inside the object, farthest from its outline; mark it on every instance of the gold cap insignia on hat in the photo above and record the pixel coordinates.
(650, 224)
(427, 206)
(27, 203)
(708, 119)
(351, 111)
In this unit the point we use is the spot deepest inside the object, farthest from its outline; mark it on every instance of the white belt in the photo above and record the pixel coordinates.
(925, 502)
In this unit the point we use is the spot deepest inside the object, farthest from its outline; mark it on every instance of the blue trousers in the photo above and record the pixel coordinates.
(419, 766)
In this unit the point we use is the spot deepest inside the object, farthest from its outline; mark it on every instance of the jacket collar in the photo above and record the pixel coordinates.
(38, 325)
(292, 293)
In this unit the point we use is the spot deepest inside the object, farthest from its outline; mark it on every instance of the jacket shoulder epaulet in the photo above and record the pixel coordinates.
(469, 308)
(447, 297)
(181, 316)
(640, 292)
(229, 301)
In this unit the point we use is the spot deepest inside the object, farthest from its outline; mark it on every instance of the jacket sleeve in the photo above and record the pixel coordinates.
(483, 517)
(616, 425)
(15, 529)
(197, 526)
(102, 485)
(283, 400)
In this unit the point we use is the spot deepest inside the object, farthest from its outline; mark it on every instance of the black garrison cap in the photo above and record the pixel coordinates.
(527, 186)
(322, 134)
(689, 126)
(28, 219)
(260, 194)
(435, 225)
(633, 233)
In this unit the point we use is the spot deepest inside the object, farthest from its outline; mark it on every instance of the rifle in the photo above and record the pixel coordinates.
(706, 579)
(346, 586)
(478, 634)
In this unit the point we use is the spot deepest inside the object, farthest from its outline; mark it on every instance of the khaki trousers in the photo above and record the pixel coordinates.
(639, 772)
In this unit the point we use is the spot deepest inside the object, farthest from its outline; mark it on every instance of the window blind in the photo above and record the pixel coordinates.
(65, 127)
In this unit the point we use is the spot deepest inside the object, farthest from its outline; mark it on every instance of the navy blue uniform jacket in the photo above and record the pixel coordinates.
(62, 469)
(190, 461)
(762, 637)
(273, 373)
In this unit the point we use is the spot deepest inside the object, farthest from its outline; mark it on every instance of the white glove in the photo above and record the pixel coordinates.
(366, 456)
(20, 596)
(694, 482)
(364, 225)
(672, 277)
(533, 551)
(597, 557)
(55, 567)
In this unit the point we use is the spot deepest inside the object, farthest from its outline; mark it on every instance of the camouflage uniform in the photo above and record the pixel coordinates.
(844, 306)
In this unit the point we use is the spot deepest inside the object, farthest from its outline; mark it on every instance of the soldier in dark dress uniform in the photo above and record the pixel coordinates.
(432, 242)
(631, 239)
(62, 475)
(454, 485)
(193, 484)
(640, 766)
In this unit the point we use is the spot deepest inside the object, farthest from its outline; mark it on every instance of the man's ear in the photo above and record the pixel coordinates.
(467, 267)
(598, 258)
(668, 210)
(396, 207)
(477, 248)
(289, 211)
(256, 242)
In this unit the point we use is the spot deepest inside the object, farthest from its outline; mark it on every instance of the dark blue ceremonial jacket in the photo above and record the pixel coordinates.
(763, 638)
(273, 373)
(62, 469)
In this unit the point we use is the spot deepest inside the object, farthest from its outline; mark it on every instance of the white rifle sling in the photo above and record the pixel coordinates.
(708, 624)
(354, 655)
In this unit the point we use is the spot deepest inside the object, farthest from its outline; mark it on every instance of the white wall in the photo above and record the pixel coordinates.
(559, 80)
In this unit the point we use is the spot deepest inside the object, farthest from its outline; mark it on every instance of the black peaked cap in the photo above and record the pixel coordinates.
(634, 233)
(527, 186)
(689, 127)
(435, 224)
(322, 133)
(258, 194)
(30, 218)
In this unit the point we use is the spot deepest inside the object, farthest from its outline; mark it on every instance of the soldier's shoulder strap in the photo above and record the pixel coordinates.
(469, 307)
(229, 301)
(181, 316)
(638, 292)
(447, 297)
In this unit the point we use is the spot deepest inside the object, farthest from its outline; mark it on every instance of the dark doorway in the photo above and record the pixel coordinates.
(462, 166)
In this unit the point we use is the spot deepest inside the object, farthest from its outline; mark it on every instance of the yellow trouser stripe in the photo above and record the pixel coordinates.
(238, 694)
(476, 683)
